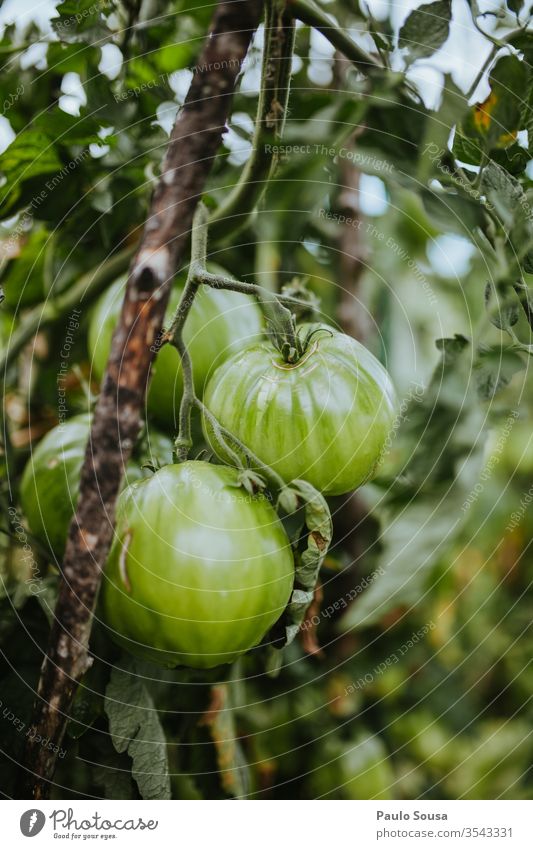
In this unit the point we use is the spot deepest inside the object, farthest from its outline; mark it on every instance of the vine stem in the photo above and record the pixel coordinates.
(240, 204)
(223, 436)
(309, 13)
(46, 314)
(174, 335)
(497, 45)
(275, 307)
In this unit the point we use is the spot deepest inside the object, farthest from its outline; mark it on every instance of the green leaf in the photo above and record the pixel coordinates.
(494, 123)
(77, 19)
(62, 58)
(394, 132)
(503, 306)
(503, 191)
(495, 367)
(38, 152)
(515, 6)
(453, 212)
(426, 29)
(135, 728)
(30, 155)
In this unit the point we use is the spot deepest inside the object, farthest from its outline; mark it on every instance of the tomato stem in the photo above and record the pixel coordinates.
(226, 439)
(174, 335)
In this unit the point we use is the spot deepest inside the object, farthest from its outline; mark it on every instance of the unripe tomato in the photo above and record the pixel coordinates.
(199, 570)
(51, 479)
(219, 323)
(324, 419)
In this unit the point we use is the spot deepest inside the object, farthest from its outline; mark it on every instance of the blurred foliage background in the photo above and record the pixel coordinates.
(413, 676)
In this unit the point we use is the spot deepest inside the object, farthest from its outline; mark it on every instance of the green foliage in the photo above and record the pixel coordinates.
(426, 29)
(135, 728)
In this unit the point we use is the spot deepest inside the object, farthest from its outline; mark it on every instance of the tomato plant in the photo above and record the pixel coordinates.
(220, 323)
(200, 569)
(324, 418)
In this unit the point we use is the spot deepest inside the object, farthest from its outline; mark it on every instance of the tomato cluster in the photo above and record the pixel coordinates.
(219, 323)
(200, 569)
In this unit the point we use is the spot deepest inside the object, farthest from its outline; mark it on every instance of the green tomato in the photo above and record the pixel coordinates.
(199, 570)
(51, 479)
(219, 323)
(324, 419)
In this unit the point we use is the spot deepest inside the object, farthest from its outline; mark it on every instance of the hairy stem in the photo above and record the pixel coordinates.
(312, 15)
(236, 210)
(219, 281)
(223, 437)
(183, 443)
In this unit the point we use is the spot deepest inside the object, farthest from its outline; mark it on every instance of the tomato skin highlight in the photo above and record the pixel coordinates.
(324, 419)
(51, 479)
(219, 323)
(199, 569)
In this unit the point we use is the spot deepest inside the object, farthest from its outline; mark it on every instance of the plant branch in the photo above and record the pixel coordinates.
(192, 148)
(87, 288)
(309, 13)
(236, 210)
(219, 281)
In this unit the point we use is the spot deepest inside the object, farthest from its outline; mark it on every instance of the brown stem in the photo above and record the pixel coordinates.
(193, 145)
(351, 241)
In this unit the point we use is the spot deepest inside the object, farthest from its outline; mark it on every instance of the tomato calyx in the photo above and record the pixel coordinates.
(293, 351)
(251, 481)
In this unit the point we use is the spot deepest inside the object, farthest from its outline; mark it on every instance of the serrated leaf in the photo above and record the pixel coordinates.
(503, 306)
(76, 19)
(135, 728)
(494, 123)
(495, 368)
(514, 6)
(426, 29)
(453, 213)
